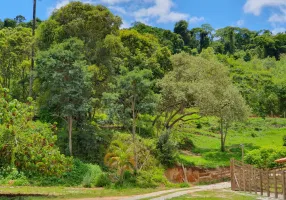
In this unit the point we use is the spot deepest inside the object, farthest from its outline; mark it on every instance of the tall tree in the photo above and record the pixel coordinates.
(33, 48)
(131, 96)
(64, 87)
(181, 28)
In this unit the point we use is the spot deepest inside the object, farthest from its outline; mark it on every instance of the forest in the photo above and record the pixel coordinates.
(87, 103)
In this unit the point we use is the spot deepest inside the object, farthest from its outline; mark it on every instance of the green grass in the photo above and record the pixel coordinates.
(67, 193)
(255, 133)
(217, 195)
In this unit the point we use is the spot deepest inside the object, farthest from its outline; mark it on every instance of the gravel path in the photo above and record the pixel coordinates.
(195, 189)
(168, 194)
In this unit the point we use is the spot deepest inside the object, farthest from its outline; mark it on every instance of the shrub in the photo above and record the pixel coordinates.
(87, 175)
(167, 150)
(103, 180)
(186, 144)
(265, 157)
(151, 178)
(92, 175)
(284, 140)
(14, 178)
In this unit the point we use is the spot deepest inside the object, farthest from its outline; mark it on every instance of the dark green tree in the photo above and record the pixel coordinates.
(64, 86)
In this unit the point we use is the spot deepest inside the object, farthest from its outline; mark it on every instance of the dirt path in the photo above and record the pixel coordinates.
(168, 194)
(195, 189)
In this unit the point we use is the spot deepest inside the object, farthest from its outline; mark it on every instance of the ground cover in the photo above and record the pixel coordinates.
(253, 134)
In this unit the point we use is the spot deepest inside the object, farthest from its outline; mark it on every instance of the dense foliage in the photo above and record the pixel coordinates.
(122, 99)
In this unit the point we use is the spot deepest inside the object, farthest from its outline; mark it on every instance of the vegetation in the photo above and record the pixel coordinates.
(85, 103)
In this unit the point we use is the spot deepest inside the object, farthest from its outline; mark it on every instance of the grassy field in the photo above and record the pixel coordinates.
(255, 133)
(216, 195)
(68, 193)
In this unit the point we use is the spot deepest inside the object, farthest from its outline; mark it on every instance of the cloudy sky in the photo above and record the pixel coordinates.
(252, 14)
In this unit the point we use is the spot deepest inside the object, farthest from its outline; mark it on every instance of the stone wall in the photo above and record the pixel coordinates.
(196, 174)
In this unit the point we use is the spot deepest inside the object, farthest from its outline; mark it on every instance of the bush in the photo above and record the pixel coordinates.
(14, 178)
(265, 157)
(103, 180)
(284, 140)
(167, 150)
(87, 175)
(92, 175)
(151, 178)
(186, 144)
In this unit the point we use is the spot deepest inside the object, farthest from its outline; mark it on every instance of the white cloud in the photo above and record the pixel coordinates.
(162, 11)
(112, 2)
(278, 18)
(240, 23)
(255, 6)
(278, 30)
(195, 20)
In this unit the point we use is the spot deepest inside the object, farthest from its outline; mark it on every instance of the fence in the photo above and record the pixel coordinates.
(250, 179)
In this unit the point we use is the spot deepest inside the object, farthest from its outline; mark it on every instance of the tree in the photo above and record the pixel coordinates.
(145, 52)
(132, 95)
(182, 89)
(27, 145)
(200, 86)
(181, 28)
(20, 19)
(229, 106)
(166, 37)
(63, 82)
(33, 48)
(14, 53)
(1, 24)
(98, 28)
(10, 23)
(119, 157)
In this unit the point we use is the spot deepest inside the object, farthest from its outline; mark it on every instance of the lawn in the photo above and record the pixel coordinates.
(68, 193)
(255, 133)
(217, 195)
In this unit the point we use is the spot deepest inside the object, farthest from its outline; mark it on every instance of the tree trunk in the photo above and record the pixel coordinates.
(134, 132)
(70, 134)
(222, 147)
(33, 49)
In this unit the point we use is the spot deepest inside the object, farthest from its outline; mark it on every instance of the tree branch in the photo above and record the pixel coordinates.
(181, 118)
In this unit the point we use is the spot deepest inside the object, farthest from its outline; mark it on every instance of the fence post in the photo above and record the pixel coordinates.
(232, 174)
(261, 182)
(268, 183)
(275, 185)
(283, 185)
(244, 178)
(251, 178)
(255, 181)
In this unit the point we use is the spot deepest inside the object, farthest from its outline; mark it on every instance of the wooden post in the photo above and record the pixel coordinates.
(283, 185)
(275, 185)
(255, 181)
(244, 178)
(251, 179)
(268, 183)
(261, 182)
(232, 174)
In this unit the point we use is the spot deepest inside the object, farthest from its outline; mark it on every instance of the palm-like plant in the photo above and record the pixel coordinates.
(120, 157)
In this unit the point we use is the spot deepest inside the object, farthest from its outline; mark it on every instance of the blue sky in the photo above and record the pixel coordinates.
(252, 14)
